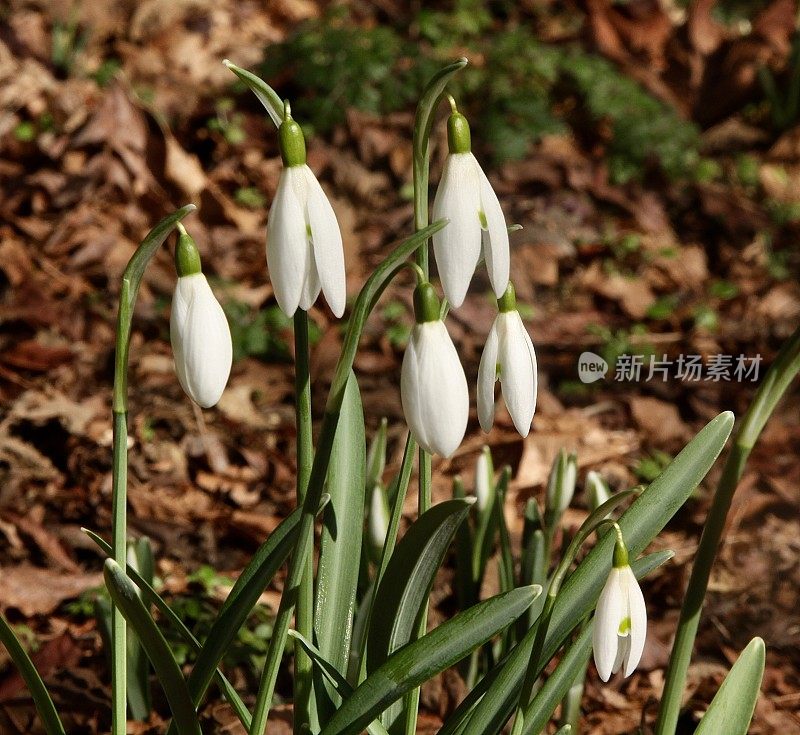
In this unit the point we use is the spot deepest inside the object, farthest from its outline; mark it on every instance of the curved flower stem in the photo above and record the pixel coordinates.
(303, 705)
(776, 381)
(596, 520)
(131, 280)
(372, 289)
(423, 122)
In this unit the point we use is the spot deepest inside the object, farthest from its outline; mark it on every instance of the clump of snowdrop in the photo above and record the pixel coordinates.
(508, 356)
(378, 519)
(433, 387)
(304, 243)
(597, 490)
(561, 482)
(199, 332)
(484, 479)
(620, 620)
(476, 223)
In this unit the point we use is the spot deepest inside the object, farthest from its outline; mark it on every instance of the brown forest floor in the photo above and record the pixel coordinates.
(76, 199)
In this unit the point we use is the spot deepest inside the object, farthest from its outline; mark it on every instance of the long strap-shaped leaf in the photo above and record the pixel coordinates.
(332, 675)
(124, 594)
(640, 524)
(409, 577)
(732, 708)
(425, 657)
(41, 697)
(343, 522)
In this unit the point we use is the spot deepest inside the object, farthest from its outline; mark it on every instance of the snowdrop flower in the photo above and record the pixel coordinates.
(597, 490)
(620, 621)
(509, 356)
(198, 329)
(378, 525)
(304, 244)
(484, 479)
(477, 226)
(433, 387)
(561, 483)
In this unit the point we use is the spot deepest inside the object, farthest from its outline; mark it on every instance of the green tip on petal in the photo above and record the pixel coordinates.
(508, 301)
(426, 303)
(291, 139)
(187, 256)
(625, 626)
(459, 139)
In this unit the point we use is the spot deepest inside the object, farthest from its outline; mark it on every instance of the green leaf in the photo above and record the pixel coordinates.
(41, 697)
(376, 457)
(402, 594)
(427, 105)
(555, 688)
(126, 597)
(425, 657)
(732, 708)
(342, 529)
(406, 584)
(640, 524)
(337, 681)
(266, 95)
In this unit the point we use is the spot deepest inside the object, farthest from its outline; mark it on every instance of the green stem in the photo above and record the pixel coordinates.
(131, 280)
(374, 286)
(776, 381)
(305, 457)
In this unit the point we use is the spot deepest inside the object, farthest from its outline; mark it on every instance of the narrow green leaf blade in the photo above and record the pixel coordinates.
(408, 579)
(425, 657)
(126, 597)
(342, 529)
(41, 697)
(337, 681)
(732, 708)
(266, 95)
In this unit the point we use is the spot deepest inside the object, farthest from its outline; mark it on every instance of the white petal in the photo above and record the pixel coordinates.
(378, 518)
(487, 375)
(638, 615)
(605, 634)
(288, 248)
(517, 373)
(311, 286)
(442, 393)
(409, 390)
(623, 651)
(326, 239)
(201, 340)
(495, 240)
(457, 247)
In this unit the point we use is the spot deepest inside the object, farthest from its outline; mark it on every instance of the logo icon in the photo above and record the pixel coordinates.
(591, 367)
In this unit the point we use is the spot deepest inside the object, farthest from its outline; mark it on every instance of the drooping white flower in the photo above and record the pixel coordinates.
(199, 332)
(304, 243)
(433, 387)
(476, 222)
(620, 620)
(508, 356)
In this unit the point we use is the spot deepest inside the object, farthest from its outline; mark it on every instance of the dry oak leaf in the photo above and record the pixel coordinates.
(36, 591)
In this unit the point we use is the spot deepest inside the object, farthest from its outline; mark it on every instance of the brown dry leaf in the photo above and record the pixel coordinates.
(659, 420)
(183, 168)
(36, 591)
(634, 295)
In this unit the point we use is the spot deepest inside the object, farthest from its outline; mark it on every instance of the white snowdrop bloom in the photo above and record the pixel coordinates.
(304, 243)
(198, 329)
(620, 620)
(378, 525)
(433, 387)
(508, 356)
(476, 223)
(597, 491)
(484, 479)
